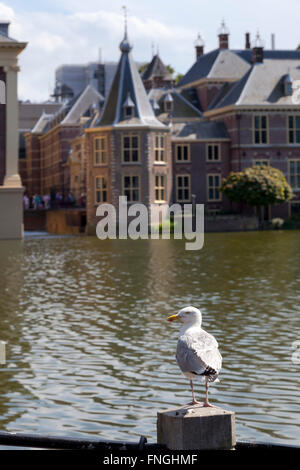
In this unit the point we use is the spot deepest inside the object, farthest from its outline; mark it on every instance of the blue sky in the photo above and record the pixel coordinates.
(72, 31)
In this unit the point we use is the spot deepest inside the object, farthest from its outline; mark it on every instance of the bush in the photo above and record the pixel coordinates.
(259, 185)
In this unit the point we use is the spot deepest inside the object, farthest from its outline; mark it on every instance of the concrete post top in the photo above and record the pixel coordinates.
(195, 411)
(196, 427)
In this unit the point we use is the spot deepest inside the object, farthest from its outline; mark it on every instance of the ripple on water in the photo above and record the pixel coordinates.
(90, 351)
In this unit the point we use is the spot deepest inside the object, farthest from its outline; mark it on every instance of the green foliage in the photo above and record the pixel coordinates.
(260, 185)
(178, 78)
(142, 68)
(170, 69)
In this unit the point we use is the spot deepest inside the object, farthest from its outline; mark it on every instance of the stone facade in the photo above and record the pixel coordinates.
(2, 132)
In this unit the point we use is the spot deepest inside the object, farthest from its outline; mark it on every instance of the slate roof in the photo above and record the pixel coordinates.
(263, 84)
(230, 64)
(71, 111)
(127, 80)
(220, 63)
(86, 99)
(156, 68)
(5, 38)
(182, 107)
(41, 124)
(208, 130)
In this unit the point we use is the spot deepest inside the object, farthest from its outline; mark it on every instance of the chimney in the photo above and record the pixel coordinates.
(247, 41)
(199, 46)
(258, 50)
(223, 34)
(273, 41)
(4, 29)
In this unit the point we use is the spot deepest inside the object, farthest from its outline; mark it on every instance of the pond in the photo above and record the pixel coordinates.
(89, 350)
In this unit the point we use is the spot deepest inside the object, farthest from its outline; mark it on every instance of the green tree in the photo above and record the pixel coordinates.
(258, 186)
(178, 78)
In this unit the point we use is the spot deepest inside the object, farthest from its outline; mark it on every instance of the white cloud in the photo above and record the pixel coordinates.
(6, 13)
(55, 38)
(74, 32)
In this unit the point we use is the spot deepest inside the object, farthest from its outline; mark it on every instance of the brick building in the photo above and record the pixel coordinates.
(49, 143)
(253, 93)
(155, 143)
(128, 149)
(232, 109)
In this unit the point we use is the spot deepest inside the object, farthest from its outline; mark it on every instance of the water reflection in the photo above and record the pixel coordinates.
(90, 352)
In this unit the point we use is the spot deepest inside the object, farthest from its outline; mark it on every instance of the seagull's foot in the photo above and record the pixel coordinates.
(194, 402)
(207, 405)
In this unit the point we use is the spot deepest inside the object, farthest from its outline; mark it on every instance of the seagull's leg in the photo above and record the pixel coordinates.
(194, 402)
(206, 404)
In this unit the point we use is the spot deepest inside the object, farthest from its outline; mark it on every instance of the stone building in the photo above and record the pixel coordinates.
(155, 143)
(232, 109)
(253, 93)
(128, 149)
(11, 190)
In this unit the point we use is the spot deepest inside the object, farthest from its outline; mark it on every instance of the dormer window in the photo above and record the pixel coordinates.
(168, 103)
(128, 107)
(287, 85)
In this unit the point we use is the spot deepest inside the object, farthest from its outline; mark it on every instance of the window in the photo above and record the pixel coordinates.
(182, 153)
(262, 162)
(131, 185)
(100, 151)
(159, 147)
(168, 105)
(183, 187)
(213, 153)
(128, 111)
(100, 189)
(294, 173)
(130, 148)
(260, 129)
(213, 187)
(294, 129)
(160, 183)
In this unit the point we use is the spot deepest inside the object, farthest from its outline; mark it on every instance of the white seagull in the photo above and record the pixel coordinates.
(197, 351)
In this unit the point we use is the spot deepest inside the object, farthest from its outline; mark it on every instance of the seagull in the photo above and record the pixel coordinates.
(197, 351)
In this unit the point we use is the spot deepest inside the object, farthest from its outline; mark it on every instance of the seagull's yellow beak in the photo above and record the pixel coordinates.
(173, 317)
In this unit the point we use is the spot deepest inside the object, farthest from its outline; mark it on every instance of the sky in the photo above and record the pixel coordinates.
(73, 31)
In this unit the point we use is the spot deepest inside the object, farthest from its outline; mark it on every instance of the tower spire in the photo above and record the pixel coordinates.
(125, 21)
(125, 46)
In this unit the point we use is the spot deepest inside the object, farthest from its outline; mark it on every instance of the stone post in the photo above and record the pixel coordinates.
(196, 428)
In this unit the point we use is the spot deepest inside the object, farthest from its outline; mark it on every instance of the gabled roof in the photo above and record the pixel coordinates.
(217, 64)
(263, 85)
(127, 80)
(231, 64)
(86, 99)
(156, 68)
(71, 111)
(182, 107)
(41, 123)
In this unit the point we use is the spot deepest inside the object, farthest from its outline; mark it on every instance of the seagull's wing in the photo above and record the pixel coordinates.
(198, 352)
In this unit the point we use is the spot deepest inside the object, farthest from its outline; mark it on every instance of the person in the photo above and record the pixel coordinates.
(26, 202)
(36, 201)
(46, 199)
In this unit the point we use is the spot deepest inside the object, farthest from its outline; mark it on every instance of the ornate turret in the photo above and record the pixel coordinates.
(127, 102)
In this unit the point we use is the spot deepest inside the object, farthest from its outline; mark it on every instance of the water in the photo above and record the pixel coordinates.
(90, 351)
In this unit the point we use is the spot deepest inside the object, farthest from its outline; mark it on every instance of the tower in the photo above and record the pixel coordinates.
(129, 148)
